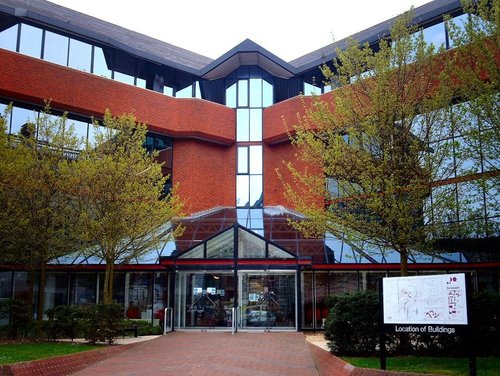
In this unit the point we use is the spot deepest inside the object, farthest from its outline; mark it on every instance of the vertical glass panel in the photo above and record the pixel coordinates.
(83, 288)
(256, 159)
(460, 23)
(56, 290)
(321, 293)
(160, 297)
(122, 77)
(140, 292)
(55, 48)
(242, 190)
(491, 154)
(5, 285)
(250, 246)
(256, 217)
(140, 82)
(256, 190)
(231, 96)
(20, 116)
(242, 124)
(311, 89)
(80, 55)
(100, 66)
(242, 93)
(435, 35)
(167, 90)
(243, 160)
(467, 156)
(307, 300)
(21, 286)
(493, 196)
(8, 38)
(196, 252)
(31, 41)
(187, 92)
(120, 281)
(256, 125)
(444, 201)
(255, 92)
(267, 300)
(267, 94)
(341, 283)
(221, 246)
(94, 130)
(197, 90)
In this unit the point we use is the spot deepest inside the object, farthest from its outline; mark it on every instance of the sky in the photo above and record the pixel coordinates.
(288, 29)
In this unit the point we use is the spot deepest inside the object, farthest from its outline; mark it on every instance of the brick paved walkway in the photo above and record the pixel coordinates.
(189, 353)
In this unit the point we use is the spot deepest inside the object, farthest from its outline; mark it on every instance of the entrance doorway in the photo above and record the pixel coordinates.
(266, 300)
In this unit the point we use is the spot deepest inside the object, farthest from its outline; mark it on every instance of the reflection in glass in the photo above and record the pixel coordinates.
(255, 92)
(160, 297)
(242, 93)
(196, 252)
(31, 41)
(100, 67)
(255, 124)
(139, 297)
(460, 22)
(307, 300)
(56, 290)
(275, 252)
(221, 246)
(8, 38)
(256, 159)
(243, 160)
(255, 190)
(242, 192)
(80, 55)
(242, 124)
(83, 288)
(231, 96)
(435, 35)
(20, 116)
(21, 286)
(80, 130)
(267, 94)
(55, 48)
(250, 246)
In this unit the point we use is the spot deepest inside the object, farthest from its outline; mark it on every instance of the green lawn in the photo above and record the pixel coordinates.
(20, 352)
(425, 364)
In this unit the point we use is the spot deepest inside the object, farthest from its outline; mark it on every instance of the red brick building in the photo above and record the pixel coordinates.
(220, 127)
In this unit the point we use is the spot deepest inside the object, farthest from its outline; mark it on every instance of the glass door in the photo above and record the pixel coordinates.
(204, 300)
(267, 300)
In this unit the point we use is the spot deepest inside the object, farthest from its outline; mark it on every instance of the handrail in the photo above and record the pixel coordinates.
(168, 316)
(233, 320)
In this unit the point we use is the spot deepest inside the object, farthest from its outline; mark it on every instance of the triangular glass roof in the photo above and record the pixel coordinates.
(236, 242)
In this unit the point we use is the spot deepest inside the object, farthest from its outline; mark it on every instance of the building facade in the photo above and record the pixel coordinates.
(219, 127)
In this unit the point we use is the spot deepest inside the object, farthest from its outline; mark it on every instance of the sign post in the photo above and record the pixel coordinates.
(435, 304)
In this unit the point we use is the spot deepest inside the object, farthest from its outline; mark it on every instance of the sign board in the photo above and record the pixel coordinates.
(432, 299)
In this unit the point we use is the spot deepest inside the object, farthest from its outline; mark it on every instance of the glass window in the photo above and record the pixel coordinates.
(443, 199)
(93, 132)
(242, 192)
(31, 41)
(122, 77)
(160, 297)
(242, 124)
(80, 55)
(460, 23)
(250, 246)
(255, 92)
(491, 155)
(311, 89)
(242, 160)
(435, 35)
(197, 90)
(83, 288)
(139, 304)
(221, 246)
(275, 252)
(140, 82)
(242, 93)
(100, 67)
(56, 290)
(231, 96)
(196, 252)
(80, 129)
(118, 287)
(8, 38)
(493, 196)
(20, 116)
(5, 285)
(55, 48)
(21, 286)
(255, 190)
(267, 94)
(255, 124)
(187, 92)
(467, 157)
(256, 159)
(167, 90)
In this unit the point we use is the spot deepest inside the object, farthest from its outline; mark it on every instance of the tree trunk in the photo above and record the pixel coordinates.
(41, 300)
(108, 282)
(404, 262)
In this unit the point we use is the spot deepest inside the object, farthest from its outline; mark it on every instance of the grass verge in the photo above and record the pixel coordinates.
(489, 366)
(20, 352)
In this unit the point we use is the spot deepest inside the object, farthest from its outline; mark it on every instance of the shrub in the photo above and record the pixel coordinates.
(486, 320)
(352, 323)
(64, 321)
(102, 322)
(20, 314)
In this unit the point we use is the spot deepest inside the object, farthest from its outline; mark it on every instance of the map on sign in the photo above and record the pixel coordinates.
(436, 299)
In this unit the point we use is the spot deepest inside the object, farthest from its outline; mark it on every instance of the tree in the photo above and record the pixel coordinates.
(118, 191)
(371, 140)
(35, 213)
